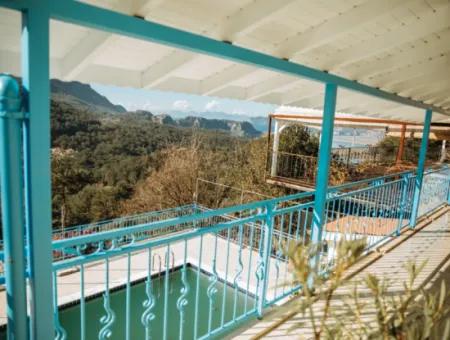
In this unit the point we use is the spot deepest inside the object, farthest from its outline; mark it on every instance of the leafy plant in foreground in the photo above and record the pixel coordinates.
(371, 308)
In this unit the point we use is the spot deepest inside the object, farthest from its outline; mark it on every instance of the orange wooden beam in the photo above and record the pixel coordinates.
(401, 146)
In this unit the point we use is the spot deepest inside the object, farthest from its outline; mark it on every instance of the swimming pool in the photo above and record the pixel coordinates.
(228, 302)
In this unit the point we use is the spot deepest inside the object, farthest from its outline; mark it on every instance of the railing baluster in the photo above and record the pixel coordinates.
(60, 333)
(128, 299)
(212, 289)
(166, 292)
(297, 230)
(252, 228)
(265, 261)
(224, 297)
(306, 222)
(278, 253)
(149, 303)
(182, 301)
(107, 320)
(197, 288)
(237, 276)
(82, 305)
(286, 259)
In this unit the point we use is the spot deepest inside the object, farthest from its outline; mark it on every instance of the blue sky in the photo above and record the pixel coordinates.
(158, 101)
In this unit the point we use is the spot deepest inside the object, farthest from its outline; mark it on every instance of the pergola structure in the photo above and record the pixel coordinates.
(313, 119)
(388, 58)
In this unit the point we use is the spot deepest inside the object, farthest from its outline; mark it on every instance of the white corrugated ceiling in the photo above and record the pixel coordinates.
(400, 46)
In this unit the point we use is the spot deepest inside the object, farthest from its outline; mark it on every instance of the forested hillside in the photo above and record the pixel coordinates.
(98, 159)
(103, 157)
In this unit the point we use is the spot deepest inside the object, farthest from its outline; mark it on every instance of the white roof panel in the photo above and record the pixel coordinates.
(401, 46)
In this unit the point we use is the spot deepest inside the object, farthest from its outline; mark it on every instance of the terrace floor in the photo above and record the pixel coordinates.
(430, 243)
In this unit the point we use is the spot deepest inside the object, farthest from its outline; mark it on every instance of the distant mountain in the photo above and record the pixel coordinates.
(235, 128)
(81, 94)
(259, 123)
(238, 129)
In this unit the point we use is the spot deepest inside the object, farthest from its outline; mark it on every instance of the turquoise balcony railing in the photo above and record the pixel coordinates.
(192, 272)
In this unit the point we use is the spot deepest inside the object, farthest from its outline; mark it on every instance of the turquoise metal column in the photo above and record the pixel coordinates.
(13, 214)
(421, 167)
(323, 168)
(35, 74)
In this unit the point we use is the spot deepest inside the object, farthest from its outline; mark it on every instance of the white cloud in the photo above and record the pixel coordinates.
(212, 105)
(181, 105)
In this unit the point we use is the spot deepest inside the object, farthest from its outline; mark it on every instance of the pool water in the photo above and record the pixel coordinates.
(236, 303)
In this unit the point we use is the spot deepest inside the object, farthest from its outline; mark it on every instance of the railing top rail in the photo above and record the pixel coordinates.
(123, 218)
(355, 147)
(296, 207)
(296, 155)
(363, 190)
(150, 243)
(443, 167)
(105, 235)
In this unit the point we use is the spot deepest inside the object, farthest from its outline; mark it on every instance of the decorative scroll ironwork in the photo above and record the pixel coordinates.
(107, 320)
(182, 301)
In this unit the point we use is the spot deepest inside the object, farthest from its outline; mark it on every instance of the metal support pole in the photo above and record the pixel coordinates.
(13, 212)
(275, 147)
(36, 83)
(326, 141)
(421, 167)
(269, 139)
(267, 246)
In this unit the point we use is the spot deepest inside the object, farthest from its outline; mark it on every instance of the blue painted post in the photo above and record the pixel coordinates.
(36, 83)
(267, 246)
(421, 167)
(12, 195)
(323, 168)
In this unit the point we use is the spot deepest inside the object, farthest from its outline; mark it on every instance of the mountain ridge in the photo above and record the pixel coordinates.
(82, 94)
(85, 97)
(235, 128)
(260, 123)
